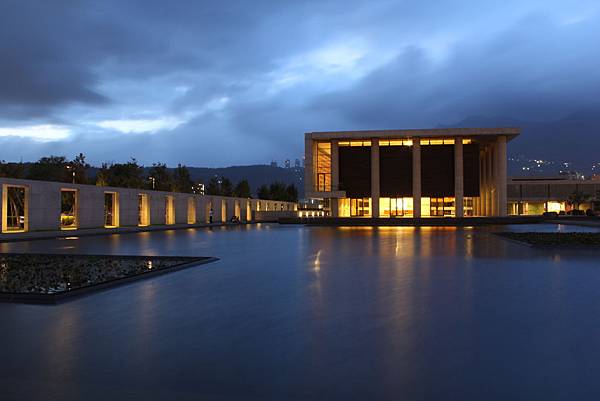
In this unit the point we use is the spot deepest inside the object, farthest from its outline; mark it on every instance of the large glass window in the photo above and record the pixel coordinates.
(143, 210)
(395, 207)
(468, 206)
(68, 209)
(323, 176)
(14, 208)
(111, 209)
(354, 207)
(437, 207)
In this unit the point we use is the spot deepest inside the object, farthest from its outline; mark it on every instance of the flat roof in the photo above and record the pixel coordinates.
(509, 132)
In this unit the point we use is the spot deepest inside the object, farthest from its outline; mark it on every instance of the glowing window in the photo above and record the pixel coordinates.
(111, 209)
(169, 210)
(191, 210)
(323, 167)
(143, 210)
(15, 208)
(68, 209)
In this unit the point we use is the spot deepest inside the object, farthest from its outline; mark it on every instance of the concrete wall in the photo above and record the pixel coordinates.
(44, 205)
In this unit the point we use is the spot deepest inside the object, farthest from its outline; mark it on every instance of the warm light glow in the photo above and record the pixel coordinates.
(395, 142)
(323, 167)
(437, 141)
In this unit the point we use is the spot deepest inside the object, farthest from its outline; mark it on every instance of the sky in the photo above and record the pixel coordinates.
(218, 83)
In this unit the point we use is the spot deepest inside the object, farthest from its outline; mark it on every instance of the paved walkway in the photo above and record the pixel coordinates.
(34, 235)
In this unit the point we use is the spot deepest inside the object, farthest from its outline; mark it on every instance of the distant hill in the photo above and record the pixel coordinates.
(574, 138)
(256, 175)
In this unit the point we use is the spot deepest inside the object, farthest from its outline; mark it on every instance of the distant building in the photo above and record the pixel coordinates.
(287, 163)
(273, 164)
(536, 195)
(409, 173)
(297, 163)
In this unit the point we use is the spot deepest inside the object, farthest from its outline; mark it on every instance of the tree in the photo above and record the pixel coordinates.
(11, 170)
(242, 189)
(263, 192)
(52, 168)
(226, 187)
(126, 175)
(576, 198)
(291, 193)
(278, 191)
(214, 187)
(159, 177)
(80, 167)
(102, 175)
(182, 181)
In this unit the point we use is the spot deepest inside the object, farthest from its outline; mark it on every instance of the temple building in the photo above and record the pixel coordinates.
(452, 172)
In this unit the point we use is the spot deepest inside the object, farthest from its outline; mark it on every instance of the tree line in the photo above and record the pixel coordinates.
(133, 175)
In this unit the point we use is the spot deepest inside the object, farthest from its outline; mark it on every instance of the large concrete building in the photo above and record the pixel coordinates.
(409, 173)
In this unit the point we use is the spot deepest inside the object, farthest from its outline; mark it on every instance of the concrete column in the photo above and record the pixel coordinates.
(334, 206)
(335, 166)
(374, 177)
(480, 210)
(458, 178)
(491, 180)
(416, 176)
(489, 208)
(500, 176)
(309, 185)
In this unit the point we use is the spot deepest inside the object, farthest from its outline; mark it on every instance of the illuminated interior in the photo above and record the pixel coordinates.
(355, 143)
(111, 209)
(354, 207)
(69, 205)
(536, 208)
(323, 167)
(143, 210)
(437, 141)
(15, 208)
(395, 207)
(169, 210)
(395, 142)
(191, 211)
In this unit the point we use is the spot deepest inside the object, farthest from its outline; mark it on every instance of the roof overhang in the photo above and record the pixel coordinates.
(508, 132)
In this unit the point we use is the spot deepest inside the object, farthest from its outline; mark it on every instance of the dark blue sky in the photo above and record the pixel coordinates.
(238, 82)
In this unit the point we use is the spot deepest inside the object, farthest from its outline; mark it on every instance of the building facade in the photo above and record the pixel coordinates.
(409, 173)
(537, 195)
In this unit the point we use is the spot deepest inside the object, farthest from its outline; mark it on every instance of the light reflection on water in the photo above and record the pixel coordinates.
(319, 313)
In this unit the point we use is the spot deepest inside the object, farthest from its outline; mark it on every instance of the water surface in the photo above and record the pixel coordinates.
(317, 313)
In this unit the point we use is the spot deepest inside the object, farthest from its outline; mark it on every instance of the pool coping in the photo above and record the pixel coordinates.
(56, 298)
(558, 247)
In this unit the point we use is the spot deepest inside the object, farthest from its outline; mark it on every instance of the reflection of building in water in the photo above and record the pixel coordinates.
(409, 173)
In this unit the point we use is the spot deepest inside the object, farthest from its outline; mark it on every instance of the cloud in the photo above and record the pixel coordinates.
(240, 82)
(141, 126)
(40, 133)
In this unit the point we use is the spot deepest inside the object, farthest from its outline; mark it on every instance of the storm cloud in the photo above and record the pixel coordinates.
(237, 82)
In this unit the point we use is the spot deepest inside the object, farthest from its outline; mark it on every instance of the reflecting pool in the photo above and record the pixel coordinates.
(317, 313)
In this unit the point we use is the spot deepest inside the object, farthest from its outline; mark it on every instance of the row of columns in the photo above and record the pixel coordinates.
(492, 168)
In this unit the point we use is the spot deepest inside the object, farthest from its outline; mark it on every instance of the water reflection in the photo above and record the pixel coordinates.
(321, 313)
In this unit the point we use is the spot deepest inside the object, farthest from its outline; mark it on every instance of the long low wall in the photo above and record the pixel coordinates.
(42, 207)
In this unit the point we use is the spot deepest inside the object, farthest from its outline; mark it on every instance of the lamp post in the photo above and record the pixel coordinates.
(70, 168)
(153, 181)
